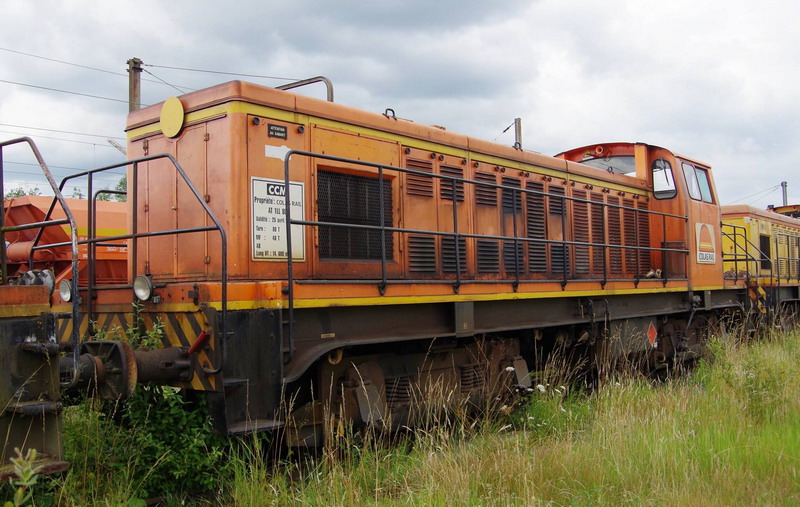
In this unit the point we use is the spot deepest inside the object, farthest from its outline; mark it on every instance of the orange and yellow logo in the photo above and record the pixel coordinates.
(706, 248)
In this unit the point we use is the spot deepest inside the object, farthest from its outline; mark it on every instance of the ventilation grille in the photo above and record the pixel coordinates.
(535, 225)
(449, 254)
(349, 199)
(422, 254)
(556, 203)
(417, 184)
(559, 258)
(614, 236)
(485, 194)
(629, 219)
(488, 256)
(513, 264)
(511, 200)
(644, 236)
(581, 227)
(447, 184)
(598, 232)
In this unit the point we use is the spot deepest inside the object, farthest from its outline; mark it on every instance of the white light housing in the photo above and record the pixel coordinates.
(143, 287)
(65, 290)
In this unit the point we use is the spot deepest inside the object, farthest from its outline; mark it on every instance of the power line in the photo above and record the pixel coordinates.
(766, 191)
(81, 66)
(80, 182)
(221, 72)
(182, 91)
(56, 138)
(59, 131)
(78, 169)
(64, 91)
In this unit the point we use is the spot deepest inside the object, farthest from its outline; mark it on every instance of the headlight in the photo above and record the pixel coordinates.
(65, 290)
(143, 287)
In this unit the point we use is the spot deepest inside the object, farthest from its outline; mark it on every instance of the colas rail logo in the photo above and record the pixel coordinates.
(706, 251)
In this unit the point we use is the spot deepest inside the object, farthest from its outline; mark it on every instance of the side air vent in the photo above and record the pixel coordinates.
(484, 194)
(488, 256)
(598, 232)
(352, 200)
(614, 236)
(629, 221)
(511, 200)
(580, 220)
(422, 254)
(417, 184)
(644, 236)
(446, 184)
(513, 263)
(535, 225)
(449, 254)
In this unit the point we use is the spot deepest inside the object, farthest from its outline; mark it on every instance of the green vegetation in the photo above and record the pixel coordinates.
(727, 434)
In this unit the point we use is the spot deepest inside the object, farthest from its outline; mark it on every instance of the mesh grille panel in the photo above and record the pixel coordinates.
(350, 199)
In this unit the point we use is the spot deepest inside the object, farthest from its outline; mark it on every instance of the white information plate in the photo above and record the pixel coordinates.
(268, 219)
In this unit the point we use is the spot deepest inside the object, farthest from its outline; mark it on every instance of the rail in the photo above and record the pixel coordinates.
(516, 211)
(73, 244)
(93, 241)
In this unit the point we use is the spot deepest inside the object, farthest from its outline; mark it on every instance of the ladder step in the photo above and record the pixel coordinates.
(254, 425)
(235, 382)
(34, 408)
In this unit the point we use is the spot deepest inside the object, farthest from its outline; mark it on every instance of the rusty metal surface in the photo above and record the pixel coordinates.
(30, 408)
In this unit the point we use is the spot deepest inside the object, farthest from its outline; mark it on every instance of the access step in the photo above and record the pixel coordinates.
(244, 427)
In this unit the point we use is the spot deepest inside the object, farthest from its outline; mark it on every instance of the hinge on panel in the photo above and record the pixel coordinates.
(146, 147)
(206, 137)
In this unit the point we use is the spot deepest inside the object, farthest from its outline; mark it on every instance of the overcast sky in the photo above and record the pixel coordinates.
(715, 80)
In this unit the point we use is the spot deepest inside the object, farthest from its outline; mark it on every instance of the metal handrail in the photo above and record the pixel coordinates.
(304, 82)
(456, 234)
(93, 241)
(58, 197)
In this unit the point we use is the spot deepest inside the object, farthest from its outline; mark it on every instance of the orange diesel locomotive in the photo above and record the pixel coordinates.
(300, 253)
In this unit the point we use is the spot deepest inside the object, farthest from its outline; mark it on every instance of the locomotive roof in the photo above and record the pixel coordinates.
(745, 210)
(146, 122)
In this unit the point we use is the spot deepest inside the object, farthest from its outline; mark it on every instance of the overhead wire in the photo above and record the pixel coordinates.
(63, 91)
(57, 138)
(61, 131)
(756, 194)
(83, 66)
(168, 84)
(221, 72)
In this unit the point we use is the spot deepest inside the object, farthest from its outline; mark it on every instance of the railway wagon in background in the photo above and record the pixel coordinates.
(299, 256)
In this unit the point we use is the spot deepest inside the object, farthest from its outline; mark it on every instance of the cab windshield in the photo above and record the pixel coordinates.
(618, 164)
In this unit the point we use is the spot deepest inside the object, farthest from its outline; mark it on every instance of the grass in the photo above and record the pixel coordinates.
(729, 434)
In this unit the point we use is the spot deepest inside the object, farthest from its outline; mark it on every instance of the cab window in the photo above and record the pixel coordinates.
(697, 182)
(663, 183)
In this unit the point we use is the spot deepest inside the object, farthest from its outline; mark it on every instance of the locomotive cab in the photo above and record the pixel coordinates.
(680, 186)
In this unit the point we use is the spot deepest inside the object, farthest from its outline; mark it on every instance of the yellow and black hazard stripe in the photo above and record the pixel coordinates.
(179, 329)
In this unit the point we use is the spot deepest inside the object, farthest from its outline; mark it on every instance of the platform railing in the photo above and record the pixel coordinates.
(453, 184)
(119, 240)
(58, 197)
